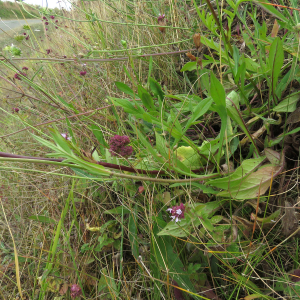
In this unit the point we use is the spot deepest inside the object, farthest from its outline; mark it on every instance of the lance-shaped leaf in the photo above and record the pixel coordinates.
(245, 182)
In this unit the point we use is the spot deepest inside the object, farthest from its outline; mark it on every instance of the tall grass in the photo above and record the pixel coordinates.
(95, 226)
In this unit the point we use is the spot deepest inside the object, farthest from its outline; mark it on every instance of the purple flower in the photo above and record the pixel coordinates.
(44, 18)
(15, 109)
(27, 38)
(25, 68)
(56, 21)
(17, 75)
(56, 27)
(25, 33)
(118, 146)
(177, 212)
(48, 51)
(46, 29)
(75, 291)
(46, 23)
(160, 17)
(82, 73)
(65, 136)
(52, 17)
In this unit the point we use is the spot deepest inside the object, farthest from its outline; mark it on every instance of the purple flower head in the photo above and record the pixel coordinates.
(27, 38)
(75, 291)
(56, 27)
(160, 17)
(56, 21)
(46, 23)
(17, 75)
(15, 109)
(52, 17)
(25, 68)
(118, 146)
(177, 212)
(65, 136)
(46, 29)
(44, 18)
(48, 51)
(82, 73)
(24, 33)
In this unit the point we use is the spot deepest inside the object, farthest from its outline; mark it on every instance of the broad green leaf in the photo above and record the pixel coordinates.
(289, 104)
(240, 173)
(167, 259)
(179, 229)
(254, 185)
(146, 98)
(217, 90)
(124, 88)
(128, 106)
(156, 89)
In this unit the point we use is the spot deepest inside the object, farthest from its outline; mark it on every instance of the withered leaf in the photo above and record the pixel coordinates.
(294, 117)
(289, 220)
(275, 29)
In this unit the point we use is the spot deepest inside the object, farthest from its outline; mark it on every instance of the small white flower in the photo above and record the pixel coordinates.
(178, 211)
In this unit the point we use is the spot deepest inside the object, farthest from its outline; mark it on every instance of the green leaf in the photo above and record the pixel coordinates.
(128, 106)
(68, 105)
(133, 232)
(289, 104)
(271, 9)
(276, 60)
(124, 88)
(99, 136)
(146, 98)
(240, 173)
(156, 89)
(117, 210)
(253, 185)
(199, 111)
(165, 254)
(217, 90)
(43, 219)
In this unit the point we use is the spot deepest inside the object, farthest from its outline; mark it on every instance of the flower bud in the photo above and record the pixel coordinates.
(197, 40)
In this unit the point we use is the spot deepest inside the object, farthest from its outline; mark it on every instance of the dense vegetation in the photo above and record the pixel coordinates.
(150, 150)
(12, 10)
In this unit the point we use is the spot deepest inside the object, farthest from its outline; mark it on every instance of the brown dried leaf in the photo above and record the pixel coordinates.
(289, 220)
(294, 117)
(275, 29)
(64, 288)
(197, 40)
(191, 56)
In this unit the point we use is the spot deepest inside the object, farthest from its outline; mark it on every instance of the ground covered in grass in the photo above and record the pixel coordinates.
(12, 10)
(150, 150)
